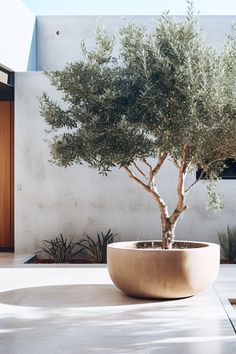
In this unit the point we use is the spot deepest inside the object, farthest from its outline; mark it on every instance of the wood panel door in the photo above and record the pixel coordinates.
(6, 176)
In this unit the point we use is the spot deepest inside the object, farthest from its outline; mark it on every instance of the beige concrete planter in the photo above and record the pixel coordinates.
(166, 274)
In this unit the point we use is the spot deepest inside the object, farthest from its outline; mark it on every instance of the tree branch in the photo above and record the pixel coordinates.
(186, 151)
(159, 164)
(139, 170)
(183, 168)
(147, 163)
(131, 175)
(181, 206)
(187, 190)
(175, 162)
(151, 189)
(201, 174)
(153, 171)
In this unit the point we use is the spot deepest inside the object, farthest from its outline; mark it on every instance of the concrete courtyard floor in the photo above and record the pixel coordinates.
(75, 309)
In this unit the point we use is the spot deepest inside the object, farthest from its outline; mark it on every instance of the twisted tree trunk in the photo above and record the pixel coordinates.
(168, 222)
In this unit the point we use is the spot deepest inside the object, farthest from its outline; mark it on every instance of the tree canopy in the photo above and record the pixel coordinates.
(165, 91)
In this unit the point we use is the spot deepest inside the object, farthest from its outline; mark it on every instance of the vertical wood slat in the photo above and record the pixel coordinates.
(12, 179)
(6, 175)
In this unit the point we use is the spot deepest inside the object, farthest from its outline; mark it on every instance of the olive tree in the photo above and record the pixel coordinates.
(165, 95)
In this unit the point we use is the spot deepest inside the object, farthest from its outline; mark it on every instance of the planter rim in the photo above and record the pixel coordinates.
(128, 245)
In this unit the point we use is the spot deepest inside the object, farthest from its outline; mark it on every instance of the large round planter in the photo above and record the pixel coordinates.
(163, 274)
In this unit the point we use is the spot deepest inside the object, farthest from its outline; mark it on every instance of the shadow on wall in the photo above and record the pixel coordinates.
(32, 61)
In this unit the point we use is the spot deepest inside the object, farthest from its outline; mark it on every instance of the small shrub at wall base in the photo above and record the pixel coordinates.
(88, 249)
(227, 242)
(95, 250)
(60, 249)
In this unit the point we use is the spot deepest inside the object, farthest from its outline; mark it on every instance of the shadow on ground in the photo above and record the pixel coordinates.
(91, 295)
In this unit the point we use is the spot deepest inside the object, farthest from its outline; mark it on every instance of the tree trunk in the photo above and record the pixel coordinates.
(168, 222)
(168, 235)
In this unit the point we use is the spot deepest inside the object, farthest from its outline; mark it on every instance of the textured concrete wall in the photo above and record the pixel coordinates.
(54, 51)
(17, 36)
(77, 200)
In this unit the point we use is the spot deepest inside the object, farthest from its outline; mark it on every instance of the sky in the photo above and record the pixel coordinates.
(128, 7)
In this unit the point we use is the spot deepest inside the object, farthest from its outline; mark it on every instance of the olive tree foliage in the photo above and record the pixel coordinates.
(165, 95)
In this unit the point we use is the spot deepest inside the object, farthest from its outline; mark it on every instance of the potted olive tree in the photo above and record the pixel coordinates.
(166, 95)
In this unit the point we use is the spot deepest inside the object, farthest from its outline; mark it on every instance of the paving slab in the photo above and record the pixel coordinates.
(71, 310)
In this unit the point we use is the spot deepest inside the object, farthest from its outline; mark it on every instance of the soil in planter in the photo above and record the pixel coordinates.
(176, 245)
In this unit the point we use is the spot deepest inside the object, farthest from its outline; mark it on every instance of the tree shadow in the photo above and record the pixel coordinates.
(89, 295)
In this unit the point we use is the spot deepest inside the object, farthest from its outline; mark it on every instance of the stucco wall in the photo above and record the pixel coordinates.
(18, 36)
(77, 200)
(54, 51)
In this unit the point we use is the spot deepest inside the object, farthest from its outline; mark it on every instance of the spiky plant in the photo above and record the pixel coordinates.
(228, 243)
(60, 249)
(95, 248)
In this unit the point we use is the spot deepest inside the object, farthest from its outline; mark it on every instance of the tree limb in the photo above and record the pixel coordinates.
(201, 174)
(147, 163)
(159, 164)
(151, 189)
(131, 175)
(175, 162)
(181, 206)
(153, 171)
(187, 190)
(139, 169)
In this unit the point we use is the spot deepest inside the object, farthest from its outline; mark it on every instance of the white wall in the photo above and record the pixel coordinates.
(54, 51)
(18, 36)
(77, 200)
